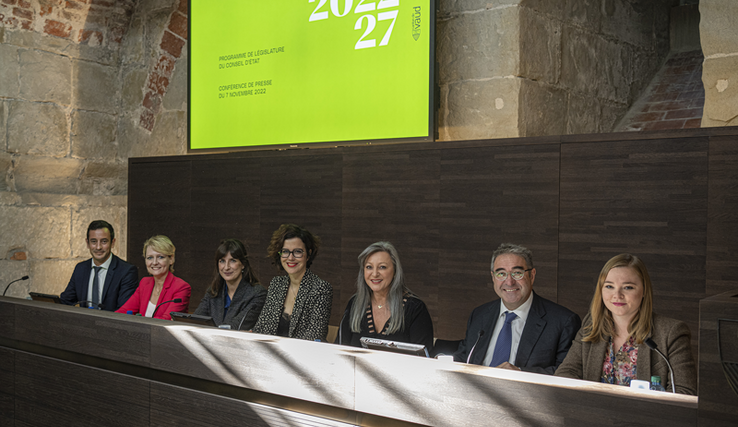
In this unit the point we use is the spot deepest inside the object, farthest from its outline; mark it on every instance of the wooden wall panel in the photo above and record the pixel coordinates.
(648, 198)
(52, 392)
(303, 188)
(226, 204)
(574, 200)
(159, 202)
(722, 220)
(718, 405)
(493, 195)
(52, 326)
(392, 195)
(7, 387)
(7, 321)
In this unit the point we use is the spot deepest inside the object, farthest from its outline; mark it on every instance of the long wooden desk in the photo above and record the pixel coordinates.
(70, 366)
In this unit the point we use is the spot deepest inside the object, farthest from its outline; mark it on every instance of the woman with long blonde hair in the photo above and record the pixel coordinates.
(610, 347)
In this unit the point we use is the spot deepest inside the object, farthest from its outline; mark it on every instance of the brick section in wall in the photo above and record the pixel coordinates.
(674, 99)
(173, 41)
(93, 22)
(16, 14)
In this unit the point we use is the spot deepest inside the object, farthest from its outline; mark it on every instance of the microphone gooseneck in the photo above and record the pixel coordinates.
(479, 336)
(165, 302)
(16, 280)
(652, 345)
(242, 319)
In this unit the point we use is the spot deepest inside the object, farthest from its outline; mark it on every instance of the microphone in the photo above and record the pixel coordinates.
(165, 302)
(479, 336)
(16, 280)
(652, 345)
(242, 319)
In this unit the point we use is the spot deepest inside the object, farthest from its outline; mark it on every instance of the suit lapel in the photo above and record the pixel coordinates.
(643, 364)
(109, 277)
(283, 285)
(534, 326)
(480, 351)
(217, 309)
(84, 288)
(167, 283)
(234, 308)
(301, 295)
(596, 358)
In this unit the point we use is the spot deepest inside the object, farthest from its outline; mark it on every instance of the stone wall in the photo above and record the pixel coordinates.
(719, 37)
(511, 68)
(84, 85)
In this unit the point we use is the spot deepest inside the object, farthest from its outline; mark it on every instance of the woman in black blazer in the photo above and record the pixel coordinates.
(235, 296)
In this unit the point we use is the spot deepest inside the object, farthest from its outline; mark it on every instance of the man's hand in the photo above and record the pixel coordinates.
(508, 365)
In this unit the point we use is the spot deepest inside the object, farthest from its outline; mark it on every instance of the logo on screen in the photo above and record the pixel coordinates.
(416, 22)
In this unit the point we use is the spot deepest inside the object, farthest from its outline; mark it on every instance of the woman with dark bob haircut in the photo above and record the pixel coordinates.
(383, 307)
(234, 296)
(298, 305)
(610, 347)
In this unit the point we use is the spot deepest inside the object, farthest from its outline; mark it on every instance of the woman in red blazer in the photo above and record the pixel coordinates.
(162, 287)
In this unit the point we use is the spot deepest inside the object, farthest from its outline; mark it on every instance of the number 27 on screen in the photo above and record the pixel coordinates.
(363, 6)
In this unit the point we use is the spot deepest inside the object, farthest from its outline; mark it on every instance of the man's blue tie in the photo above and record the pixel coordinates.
(504, 341)
(96, 289)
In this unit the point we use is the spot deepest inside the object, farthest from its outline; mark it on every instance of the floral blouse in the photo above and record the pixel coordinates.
(619, 368)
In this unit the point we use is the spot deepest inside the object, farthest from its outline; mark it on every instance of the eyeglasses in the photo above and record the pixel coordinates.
(297, 253)
(516, 274)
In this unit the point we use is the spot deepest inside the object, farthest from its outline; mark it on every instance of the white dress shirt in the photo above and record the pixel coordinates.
(517, 326)
(100, 278)
(150, 309)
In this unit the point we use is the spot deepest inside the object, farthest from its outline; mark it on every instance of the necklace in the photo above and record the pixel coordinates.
(380, 306)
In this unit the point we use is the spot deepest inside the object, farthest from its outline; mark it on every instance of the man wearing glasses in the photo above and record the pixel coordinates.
(521, 330)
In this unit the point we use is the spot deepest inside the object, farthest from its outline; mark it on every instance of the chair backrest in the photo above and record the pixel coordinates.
(447, 347)
(332, 334)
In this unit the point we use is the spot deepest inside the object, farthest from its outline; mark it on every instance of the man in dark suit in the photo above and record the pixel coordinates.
(521, 330)
(105, 281)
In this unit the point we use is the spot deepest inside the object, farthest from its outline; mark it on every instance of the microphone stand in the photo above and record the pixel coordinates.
(165, 302)
(242, 319)
(16, 280)
(652, 345)
(481, 332)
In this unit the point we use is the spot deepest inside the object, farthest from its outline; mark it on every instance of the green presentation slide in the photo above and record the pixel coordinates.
(309, 71)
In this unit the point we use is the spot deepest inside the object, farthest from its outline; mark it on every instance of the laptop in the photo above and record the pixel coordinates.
(394, 346)
(36, 296)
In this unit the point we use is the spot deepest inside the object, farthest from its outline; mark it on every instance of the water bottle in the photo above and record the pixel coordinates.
(656, 383)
